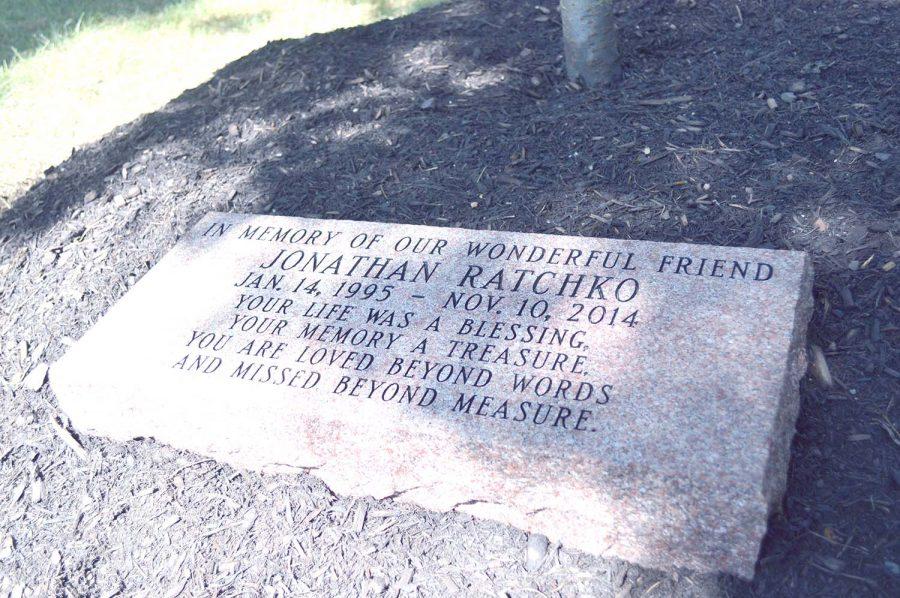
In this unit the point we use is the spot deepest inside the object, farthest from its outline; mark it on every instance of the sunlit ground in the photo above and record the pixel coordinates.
(74, 69)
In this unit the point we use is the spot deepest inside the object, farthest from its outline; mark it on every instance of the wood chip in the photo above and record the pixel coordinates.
(69, 440)
(6, 547)
(359, 518)
(19, 491)
(818, 366)
(37, 489)
(36, 377)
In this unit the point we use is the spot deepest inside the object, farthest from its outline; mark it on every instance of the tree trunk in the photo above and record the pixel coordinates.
(591, 42)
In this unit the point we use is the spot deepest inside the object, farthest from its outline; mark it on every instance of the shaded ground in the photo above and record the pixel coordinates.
(460, 115)
(72, 70)
(26, 26)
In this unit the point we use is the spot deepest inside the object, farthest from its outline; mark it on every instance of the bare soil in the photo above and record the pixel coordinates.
(756, 123)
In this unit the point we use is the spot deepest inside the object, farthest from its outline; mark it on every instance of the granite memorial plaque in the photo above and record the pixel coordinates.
(627, 398)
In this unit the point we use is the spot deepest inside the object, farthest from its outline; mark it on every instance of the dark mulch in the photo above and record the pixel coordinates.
(460, 115)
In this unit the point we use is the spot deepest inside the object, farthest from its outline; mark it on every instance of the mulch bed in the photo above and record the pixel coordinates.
(758, 123)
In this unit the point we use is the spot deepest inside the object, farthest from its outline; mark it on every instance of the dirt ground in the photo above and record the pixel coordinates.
(756, 123)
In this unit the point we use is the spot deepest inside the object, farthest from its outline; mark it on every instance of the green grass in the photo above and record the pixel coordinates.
(71, 70)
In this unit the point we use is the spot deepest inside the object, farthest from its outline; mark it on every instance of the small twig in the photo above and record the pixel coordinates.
(865, 580)
(890, 429)
(665, 101)
(654, 158)
(201, 462)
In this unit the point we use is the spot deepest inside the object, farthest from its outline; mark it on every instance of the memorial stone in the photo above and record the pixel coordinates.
(628, 398)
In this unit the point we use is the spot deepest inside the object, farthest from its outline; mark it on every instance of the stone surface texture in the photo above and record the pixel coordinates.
(677, 464)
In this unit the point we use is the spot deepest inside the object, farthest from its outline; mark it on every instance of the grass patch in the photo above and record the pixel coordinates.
(71, 70)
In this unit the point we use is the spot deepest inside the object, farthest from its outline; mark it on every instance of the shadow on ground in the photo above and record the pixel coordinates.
(460, 116)
(26, 26)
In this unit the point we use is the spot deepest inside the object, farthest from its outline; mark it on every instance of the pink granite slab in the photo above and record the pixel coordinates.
(627, 398)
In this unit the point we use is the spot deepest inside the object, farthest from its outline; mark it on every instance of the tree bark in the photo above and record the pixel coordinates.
(590, 40)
